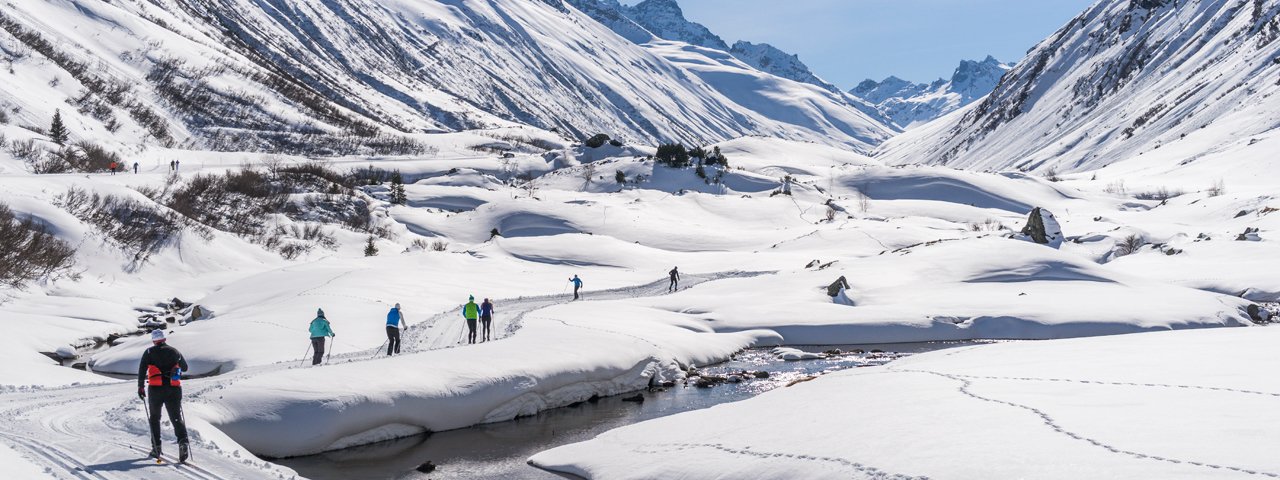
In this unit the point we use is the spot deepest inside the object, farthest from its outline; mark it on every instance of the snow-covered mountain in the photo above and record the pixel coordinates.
(347, 76)
(911, 104)
(1179, 82)
(664, 20)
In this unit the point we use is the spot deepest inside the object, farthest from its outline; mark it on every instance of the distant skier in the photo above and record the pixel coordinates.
(394, 318)
(177, 164)
(577, 284)
(171, 165)
(675, 279)
(161, 368)
(319, 330)
(135, 168)
(114, 166)
(486, 318)
(470, 311)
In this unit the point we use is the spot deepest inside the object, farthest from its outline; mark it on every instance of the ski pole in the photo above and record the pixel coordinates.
(304, 355)
(329, 355)
(182, 413)
(566, 287)
(379, 350)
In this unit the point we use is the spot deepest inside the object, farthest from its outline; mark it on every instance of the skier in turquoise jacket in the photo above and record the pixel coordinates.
(319, 330)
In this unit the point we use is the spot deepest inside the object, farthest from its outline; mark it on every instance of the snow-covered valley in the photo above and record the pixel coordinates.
(1138, 285)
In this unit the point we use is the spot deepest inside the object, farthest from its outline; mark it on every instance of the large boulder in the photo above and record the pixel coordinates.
(1043, 228)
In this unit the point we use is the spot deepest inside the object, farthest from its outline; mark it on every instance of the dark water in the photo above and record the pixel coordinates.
(500, 450)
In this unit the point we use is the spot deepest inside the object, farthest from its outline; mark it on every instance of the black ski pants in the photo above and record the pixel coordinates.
(317, 346)
(486, 321)
(471, 330)
(171, 399)
(393, 340)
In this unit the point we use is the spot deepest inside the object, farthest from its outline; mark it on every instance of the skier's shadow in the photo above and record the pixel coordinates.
(123, 465)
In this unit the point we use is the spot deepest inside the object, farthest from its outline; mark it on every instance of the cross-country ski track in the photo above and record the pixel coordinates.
(100, 431)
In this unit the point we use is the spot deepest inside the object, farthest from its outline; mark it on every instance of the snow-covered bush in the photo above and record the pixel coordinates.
(30, 252)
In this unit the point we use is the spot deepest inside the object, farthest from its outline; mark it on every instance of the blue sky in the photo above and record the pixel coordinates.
(846, 41)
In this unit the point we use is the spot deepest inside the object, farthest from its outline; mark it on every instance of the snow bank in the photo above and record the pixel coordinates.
(1131, 406)
(567, 354)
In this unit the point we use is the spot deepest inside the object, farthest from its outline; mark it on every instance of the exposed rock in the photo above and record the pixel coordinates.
(426, 467)
(1250, 235)
(637, 398)
(761, 374)
(833, 290)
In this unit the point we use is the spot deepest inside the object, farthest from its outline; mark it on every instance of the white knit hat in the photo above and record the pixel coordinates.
(157, 336)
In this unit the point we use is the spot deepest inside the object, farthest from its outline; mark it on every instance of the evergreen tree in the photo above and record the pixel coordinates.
(57, 131)
(369, 248)
(700, 171)
(397, 189)
(673, 155)
(620, 177)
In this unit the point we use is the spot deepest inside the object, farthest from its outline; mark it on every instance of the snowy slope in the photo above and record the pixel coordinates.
(663, 19)
(1124, 79)
(1130, 406)
(913, 104)
(241, 75)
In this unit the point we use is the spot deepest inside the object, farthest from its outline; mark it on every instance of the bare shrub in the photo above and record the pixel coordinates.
(23, 149)
(1160, 193)
(831, 213)
(418, 244)
(587, 173)
(1129, 245)
(1116, 188)
(30, 252)
(439, 246)
(1051, 174)
(988, 225)
(1218, 188)
(138, 228)
(93, 158)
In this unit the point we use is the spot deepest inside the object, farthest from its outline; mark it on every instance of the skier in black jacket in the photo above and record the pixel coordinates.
(161, 369)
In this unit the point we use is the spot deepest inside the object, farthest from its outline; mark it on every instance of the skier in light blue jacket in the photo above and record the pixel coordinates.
(319, 330)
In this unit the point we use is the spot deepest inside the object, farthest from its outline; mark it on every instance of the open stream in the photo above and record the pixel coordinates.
(500, 450)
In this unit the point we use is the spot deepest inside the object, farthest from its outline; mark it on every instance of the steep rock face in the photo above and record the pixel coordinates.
(1122, 79)
(317, 76)
(665, 19)
(911, 104)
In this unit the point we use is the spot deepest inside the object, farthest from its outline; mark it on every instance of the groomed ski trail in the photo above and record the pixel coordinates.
(100, 432)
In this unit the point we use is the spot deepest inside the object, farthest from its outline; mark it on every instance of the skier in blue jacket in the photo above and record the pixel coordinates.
(577, 284)
(319, 330)
(486, 318)
(394, 319)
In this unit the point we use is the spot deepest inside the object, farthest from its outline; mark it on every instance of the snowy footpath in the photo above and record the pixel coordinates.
(1180, 404)
(99, 431)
